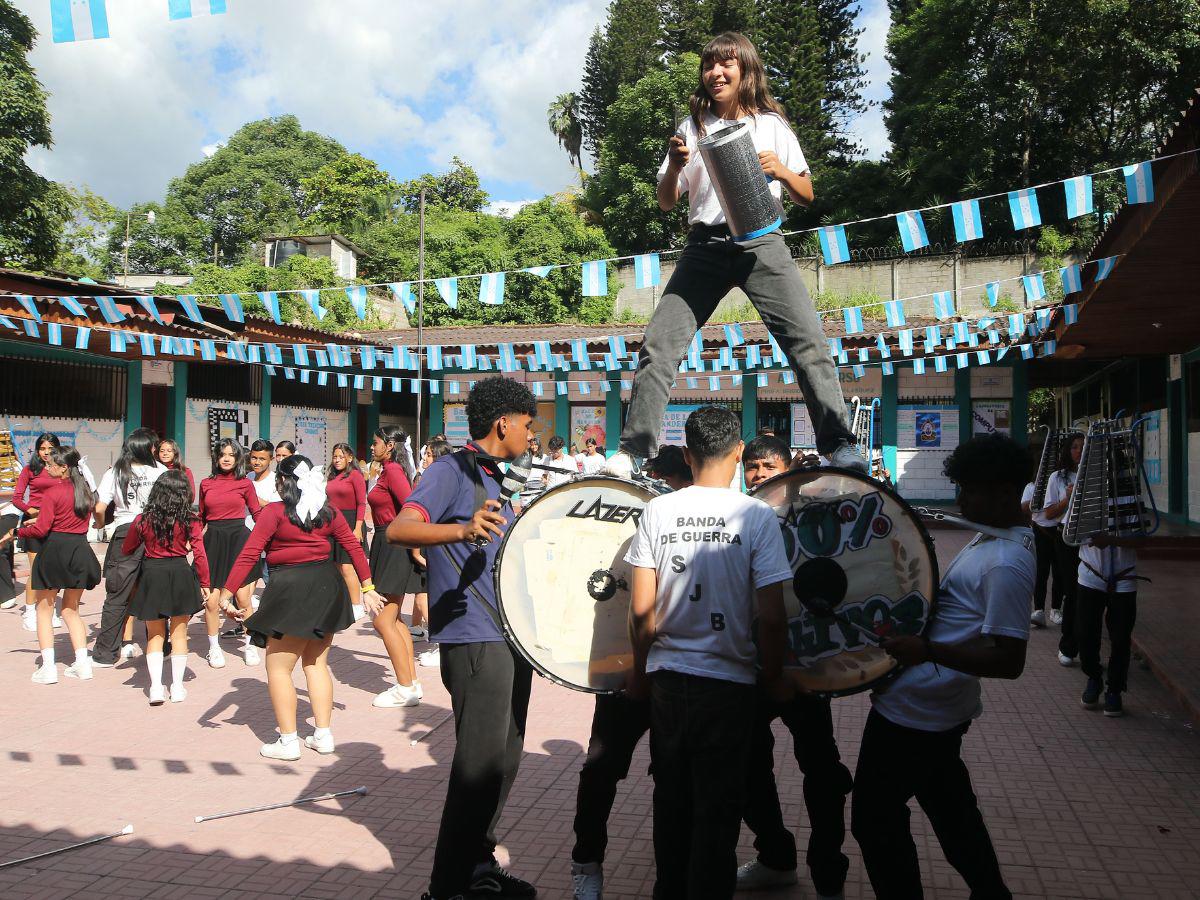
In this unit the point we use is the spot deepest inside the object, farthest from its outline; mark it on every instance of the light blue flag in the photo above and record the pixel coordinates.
(434, 386)
(646, 271)
(951, 343)
(993, 292)
(777, 351)
(584, 388)
(753, 356)
(358, 299)
(1104, 267)
(695, 355)
(561, 388)
(31, 328)
(147, 303)
(761, 379)
(6, 322)
(714, 382)
(933, 338)
(1049, 347)
(833, 244)
(983, 357)
(448, 288)
(912, 230)
(485, 364)
(491, 289)
(1071, 281)
(725, 359)
(579, 353)
(305, 376)
(78, 20)
(402, 291)
(1042, 317)
(467, 356)
(1079, 196)
(508, 359)
(691, 383)
(1035, 287)
(322, 357)
(1139, 183)
(940, 364)
(414, 386)
(433, 357)
(1023, 205)
(208, 350)
(894, 310)
(313, 299)
(1001, 351)
(232, 304)
(73, 306)
(964, 360)
(918, 366)
(605, 387)
(943, 304)
(994, 335)
(1016, 325)
(968, 224)
(116, 342)
(734, 336)
(270, 299)
(889, 369)
(595, 278)
(735, 381)
(300, 354)
(864, 354)
(108, 309)
(26, 301)
(190, 307)
(542, 355)
(616, 346)
(835, 347)
(960, 332)
(540, 272)
(626, 384)
(859, 371)
(359, 381)
(537, 388)
(852, 317)
(273, 353)
(1027, 351)
(322, 378)
(369, 357)
(906, 342)
(187, 9)
(377, 383)
(82, 337)
(253, 353)
(1071, 313)
(167, 347)
(343, 380)
(236, 350)
(788, 377)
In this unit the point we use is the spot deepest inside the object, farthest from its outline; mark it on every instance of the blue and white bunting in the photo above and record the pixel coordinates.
(147, 342)
(943, 304)
(1139, 183)
(108, 309)
(579, 354)
(833, 244)
(467, 356)
(343, 380)
(1079, 196)
(992, 290)
(1104, 267)
(1027, 351)
(1042, 317)
(859, 371)
(940, 364)
(616, 346)
(918, 366)
(376, 383)
(1070, 313)
(82, 337)
(894, 310)
(1023, 205)
(646, 271)
(188, 9)
(305, 376)
(725, 359)
(358, 299)
(788, 377)
(584, 388)
(734, 336)
(270, 299)
(78, 20)
(402, 291)
(1071, 281)
(273, 353)
(714, 382)
(322, 378)
(933, 338)
(961, 332)
(73, 306)
(433, 357)
(232, 305)
(852, 317)
(968, 224)
(448, 288)
(359, 381)
(777, 351)
(983, 356)
(26, 301)
(253, 353)
(906, 342)
(536, 386)
(300, 354)
(912, 230)
(691, 383)
(147, 303)
(313, 298)
(31, 327)
(1016, 325)
(761, 379)
(1035, 287)
(561, 388)
(368, 357)
(753, 356)
(491, 289)
(116, 342)
(508, 358)
(963, 360)
(835, 347)
(595, 278)
(540, 272)
(543, 357)
(190, 307)
(208, 349)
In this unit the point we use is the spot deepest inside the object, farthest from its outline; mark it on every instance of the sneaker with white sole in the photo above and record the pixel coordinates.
(1064, 660)
(216, 658)
(129, 651)
(420, 690)
(279, 750)
(587, 881)
(1038, 618)
(320, 744)
(430, 659)
(45, 675)
(397, 697)
(846, 456)
(158, 695)
(251, 655)
(29, 619)
(81, 669)
(9, 603)
(754, 876)
(1056, 617)
(417, 632)
(620, 465)
(178, 693)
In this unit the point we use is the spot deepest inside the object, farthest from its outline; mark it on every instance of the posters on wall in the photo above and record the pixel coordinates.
(991, 417)
(1152, 447)
(543, 425)
(587, 422)
(927, 427)
(672, 424)
(311, 438)
(23, 440)
(455, 428)
(226, 422)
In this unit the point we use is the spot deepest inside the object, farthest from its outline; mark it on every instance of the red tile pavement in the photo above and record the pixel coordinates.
(1078, 805)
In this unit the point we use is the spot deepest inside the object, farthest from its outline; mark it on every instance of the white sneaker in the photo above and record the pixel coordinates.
(79, 669)
(178, 693)
(45, 675)
(420, 690)
(430, 659)
(57, 621)
(9, 604)
(620, 465)
(1038, 618)
(1064, 660)
(252, 656)
(216, 658)
(754, 876)
(846, 456)
(158, 695)
(29, 619)
(280, 750)
(397, 697)
(129, 651)
(1056, 617)
(321, 745)
(417, 632)
(587, 881)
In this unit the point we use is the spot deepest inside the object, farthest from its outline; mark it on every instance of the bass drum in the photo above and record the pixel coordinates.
(862, 563)
(562, 583)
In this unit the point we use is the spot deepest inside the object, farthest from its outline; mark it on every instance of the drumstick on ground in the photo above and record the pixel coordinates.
(254, 809)
(128, 829)
(426, 734)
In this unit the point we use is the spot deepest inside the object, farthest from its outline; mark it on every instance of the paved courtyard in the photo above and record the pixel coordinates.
(1078, 805)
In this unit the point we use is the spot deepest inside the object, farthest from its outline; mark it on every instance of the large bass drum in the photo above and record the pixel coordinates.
(864, 570)
(562, 583)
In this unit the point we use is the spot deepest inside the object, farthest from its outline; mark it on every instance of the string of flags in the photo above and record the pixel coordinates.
(87, 20)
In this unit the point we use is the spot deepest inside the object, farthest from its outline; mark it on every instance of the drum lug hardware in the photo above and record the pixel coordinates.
(603, 586)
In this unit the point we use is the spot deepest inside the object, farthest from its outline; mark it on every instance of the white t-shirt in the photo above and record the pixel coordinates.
(1056, 490)
(712, 549)
(590, 465)
(986, 590)
(1038, 516)
(553, 479)
(1108, 561)
(769, 132)
(266, 492)
(128, 506)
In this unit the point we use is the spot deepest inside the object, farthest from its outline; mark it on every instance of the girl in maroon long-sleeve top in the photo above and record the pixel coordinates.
(347, 492)
(225, 498)
(66, 562)
(34, 479)
(169, 592)
(304, 604)
(171, 456)
(392, 567)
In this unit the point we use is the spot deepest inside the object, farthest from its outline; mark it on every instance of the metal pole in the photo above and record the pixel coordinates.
(128, 216)
(420, 320)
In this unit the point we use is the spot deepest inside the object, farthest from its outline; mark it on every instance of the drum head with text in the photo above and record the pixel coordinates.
(862, 561)
(562, 582)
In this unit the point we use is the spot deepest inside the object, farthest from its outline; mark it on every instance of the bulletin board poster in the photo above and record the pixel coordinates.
(588, 422)
(673, 422)
(927, 427)
(455, 427)
(311, 438)
(803, 435)
(543, 426)
(1152, 447)
(991, 417)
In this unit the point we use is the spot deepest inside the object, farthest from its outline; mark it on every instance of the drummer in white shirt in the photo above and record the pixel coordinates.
(591, 460)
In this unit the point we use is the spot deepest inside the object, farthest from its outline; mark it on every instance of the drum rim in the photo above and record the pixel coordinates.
(509, 636)
(926, 538)
(722, 136)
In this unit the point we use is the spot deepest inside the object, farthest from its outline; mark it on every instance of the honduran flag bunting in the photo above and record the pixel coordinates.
(918, 366)
(833, 244)
(1016, 325)
(322, 378)
(300, 354)
(78, 20)
(579, 354)
(82, 337)
(725, 359)
(402, 291)
(540, 272)
(208, 350)
(448, 288)
(537, 388)
(894, 310)
(1035, 287)
(963, 359)
(852, 317)
(753, 356)
(26, 301)
(1042, 316)
(1070, 313)
(190, 307)
(1071, 282)
(1027, 351)
(358, 299)
(993, 292)
(273, 353)
(31, 329)
(835, 347)
(270, 299)
(359, 381)
(961, 332)
(188, 9)
(1079, 196)
(561, 388)
(734, 336)
(491, 289)
(940, 364)
(73, 306)
(1023, 205)
(646, 271)
(761, 379)
(542, 355)
(376, 383)
(584, 388)
(912, 230)
(864, 354)
(508, 358)
(343, 380)
(616, 346)
(433, 357)
(253, 353)
(859, 371)
(595, 278)
(889, 369)
(1104, 267)
(116, 341)
(232, 305)
(788, 377)
(968, 224)
(368, 357)
(305, 376)
(108, 309)
(933, 338)
(943, 304)
(313, 299)
(1139, 183)
(906, 342)
(467, 356)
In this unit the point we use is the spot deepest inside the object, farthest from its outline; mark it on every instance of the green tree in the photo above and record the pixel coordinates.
(689, 24)
(788, 37)
(83, 249)
(33, 209)
(457, 189)
(562, 117)
(339, 193)
(173, 244)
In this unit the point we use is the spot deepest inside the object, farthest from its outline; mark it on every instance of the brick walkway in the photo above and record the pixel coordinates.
(1078, 805)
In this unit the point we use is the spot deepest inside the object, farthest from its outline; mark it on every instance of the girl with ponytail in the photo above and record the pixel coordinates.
(27, 497)
(306, 601)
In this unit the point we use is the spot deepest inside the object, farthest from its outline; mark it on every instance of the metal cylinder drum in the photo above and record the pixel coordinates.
(751, 210)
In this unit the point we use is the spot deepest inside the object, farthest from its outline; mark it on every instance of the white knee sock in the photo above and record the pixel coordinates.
(213, 642)
(154, 665)
(178, 668)
(48, 657)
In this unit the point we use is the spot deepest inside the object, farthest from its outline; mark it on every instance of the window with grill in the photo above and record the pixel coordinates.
(51, 388)
(212, 381)
(296, 393)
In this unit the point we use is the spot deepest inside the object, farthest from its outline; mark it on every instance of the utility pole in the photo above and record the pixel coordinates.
(420, 320)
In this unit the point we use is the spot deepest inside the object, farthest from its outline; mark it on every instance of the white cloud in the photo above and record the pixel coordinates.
(875, 19)
(209, 149)
(506, 208)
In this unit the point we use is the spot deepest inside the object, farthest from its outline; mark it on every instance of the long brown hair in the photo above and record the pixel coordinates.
(754, 95)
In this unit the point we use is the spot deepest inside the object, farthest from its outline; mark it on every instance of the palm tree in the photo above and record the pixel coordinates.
(563, 118)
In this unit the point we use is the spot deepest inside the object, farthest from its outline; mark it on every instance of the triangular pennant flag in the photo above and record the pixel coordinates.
(232, 305)
(912, 230)
(968, 224)
(26, 301)
(540, 272)
(313, 298)
(595, 278)
(1023, 205)
(358, 299)
(646, 271)
(1079, 196)
(448, 288)
(833, 244)
(402, 291)
(1139, 183)
(993, 292)
(491, 289)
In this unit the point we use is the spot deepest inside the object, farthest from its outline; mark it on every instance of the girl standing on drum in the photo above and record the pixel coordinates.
(169, 591)
(171, 456)
(35, 479)
(392, 567)
(225, 498)
(347, 492)
(306, 602)
(66, 561)
(1059, 489)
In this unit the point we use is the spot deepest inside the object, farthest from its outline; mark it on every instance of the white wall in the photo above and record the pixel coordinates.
(99, 440)
(283, 426)
(925, 387)
(991, 383)
(919, 475)
(197, 451)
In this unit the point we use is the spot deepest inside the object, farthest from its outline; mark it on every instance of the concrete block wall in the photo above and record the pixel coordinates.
(919, 475)
(991, 383)
(932, 385)
(98, 440)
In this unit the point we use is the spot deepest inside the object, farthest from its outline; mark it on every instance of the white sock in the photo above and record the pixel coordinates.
(154, 664)
(81, 655)
(246, 641)
(320, 733)
(178, 668)
(287, 737)
(213, 642)
(48, 657)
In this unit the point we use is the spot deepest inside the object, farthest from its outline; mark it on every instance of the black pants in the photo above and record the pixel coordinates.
(1119, 611)
(617, 725)
(8, 580)
(1047, 565)
(120, 579)
(489, 693)
(896, 763)
(827, 783)
(699, 738)
(1068, 567)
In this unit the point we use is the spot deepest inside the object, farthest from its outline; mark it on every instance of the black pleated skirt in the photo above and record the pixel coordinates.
(65, 562)
(340, 556)
(223, 541)
(392, 569)
(305, 600)
(8, 582)
(31, 544)
(167, 587)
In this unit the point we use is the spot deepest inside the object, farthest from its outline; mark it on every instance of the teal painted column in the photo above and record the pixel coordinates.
(612, 414)
(264, 407)
(372, 420)
(962, 399)
(889, 404)
(749, 406)
(1020, 402)
(133, 395)
(177, 407)
(437, 406)
(562, 410)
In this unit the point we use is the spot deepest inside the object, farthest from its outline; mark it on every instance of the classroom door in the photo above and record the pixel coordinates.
(154, 408)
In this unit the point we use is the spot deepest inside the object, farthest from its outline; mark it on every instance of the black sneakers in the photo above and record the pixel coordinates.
(1091, 694)
(499, 883)
(1112, 704)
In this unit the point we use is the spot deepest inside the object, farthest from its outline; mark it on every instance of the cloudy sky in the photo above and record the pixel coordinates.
(409, 84)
